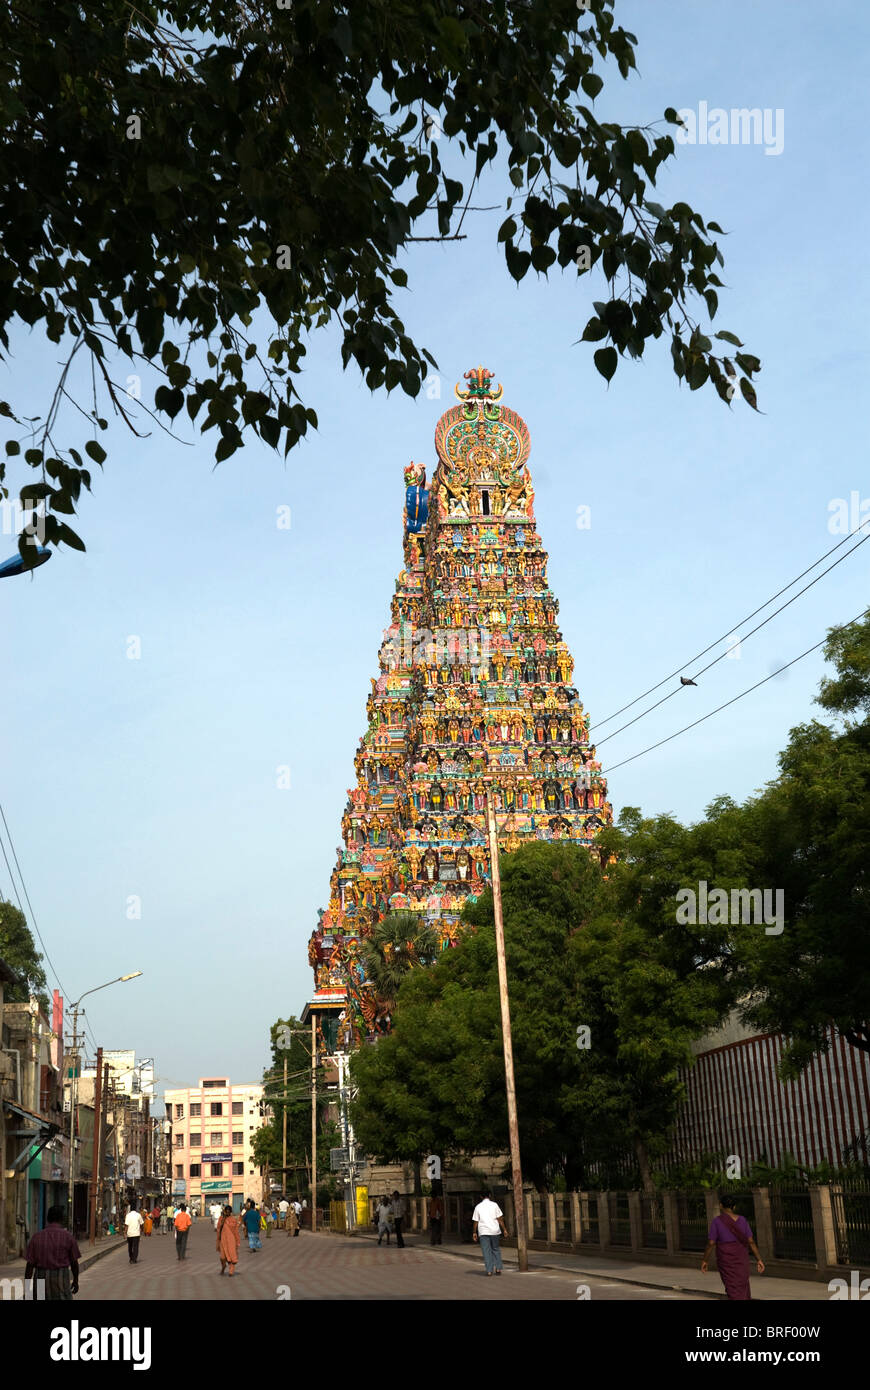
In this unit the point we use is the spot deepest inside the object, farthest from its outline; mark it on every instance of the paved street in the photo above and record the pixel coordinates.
(327, 1267)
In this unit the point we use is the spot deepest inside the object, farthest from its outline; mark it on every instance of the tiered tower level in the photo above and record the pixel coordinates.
(475, 694)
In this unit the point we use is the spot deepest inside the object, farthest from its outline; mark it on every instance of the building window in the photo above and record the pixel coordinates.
(195, 1110)
(216, 1140)
(484, 502)
(213, 1085)
(217, 1170)
(179, 1170)
(195, 1170)
(238, 1107)
(179, 1141)
(238, 1170)
(238, 1136)
(179, 1112)
(195, 1141)
(216, 1107)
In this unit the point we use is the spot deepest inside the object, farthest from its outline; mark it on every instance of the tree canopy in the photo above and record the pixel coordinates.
(194, 187)
(811, 827)
(579, 959)
(18, 950)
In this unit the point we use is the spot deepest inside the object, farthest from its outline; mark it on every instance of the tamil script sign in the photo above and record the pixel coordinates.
(215, 1185)
(217, 1158)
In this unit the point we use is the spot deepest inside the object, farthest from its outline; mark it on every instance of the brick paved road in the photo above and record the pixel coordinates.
(326, 1267)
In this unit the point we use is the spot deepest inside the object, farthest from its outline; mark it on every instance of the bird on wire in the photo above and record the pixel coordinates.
(684, 680)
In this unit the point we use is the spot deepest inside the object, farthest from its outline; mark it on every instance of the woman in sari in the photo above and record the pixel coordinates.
(227, 1244)
(292, 1221)
(732, 1236)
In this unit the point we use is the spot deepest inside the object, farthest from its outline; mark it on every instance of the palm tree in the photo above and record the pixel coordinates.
(398, 943)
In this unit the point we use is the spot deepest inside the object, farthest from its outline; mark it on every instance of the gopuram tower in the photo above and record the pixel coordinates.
(474, 695)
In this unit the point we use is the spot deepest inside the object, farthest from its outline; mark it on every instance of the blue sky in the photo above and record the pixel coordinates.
(156, 778)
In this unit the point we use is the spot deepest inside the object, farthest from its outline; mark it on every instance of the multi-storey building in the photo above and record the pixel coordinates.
(213, 1128)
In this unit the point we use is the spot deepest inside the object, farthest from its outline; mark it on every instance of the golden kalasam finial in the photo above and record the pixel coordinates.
(479, 386)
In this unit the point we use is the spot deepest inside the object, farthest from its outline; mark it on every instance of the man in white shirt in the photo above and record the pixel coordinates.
(283, 1208)
(385, 1216)
(488, 1221)
(214, 1212)
(133, 1224)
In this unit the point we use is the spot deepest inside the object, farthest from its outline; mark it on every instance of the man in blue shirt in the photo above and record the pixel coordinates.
(251, 1223)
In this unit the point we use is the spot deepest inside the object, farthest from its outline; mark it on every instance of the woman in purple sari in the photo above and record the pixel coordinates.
(732, 1236)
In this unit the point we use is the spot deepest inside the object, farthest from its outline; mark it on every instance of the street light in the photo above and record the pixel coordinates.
(15, 565)
(73, 1088)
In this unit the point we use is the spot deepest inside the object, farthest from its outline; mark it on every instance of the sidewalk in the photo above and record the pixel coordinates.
(685, 1279)
(15, 1269)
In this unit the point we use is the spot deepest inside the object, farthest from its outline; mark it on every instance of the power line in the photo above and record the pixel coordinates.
(734, 700)
(85, 1034)
(749, 634)
(27, 898)
(11, 876)
(747, 619)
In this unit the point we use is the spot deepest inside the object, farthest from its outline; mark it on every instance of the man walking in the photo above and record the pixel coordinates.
(251, 1223)
(53, 1257)
(488, 1221)
(436, 1216)
(283, 1208)
(385, 1215)
(398, 1218)
(133, 1225)
(182, 1230)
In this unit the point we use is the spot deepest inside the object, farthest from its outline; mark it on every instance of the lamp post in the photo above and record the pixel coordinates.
(510, 1084)
(73, 1088)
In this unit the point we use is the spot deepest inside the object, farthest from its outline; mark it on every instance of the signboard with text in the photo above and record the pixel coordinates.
(217, 1158)
(215, 1185)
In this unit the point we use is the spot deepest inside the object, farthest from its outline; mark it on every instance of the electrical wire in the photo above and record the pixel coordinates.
(748, 618)
(734, 700)
(87, 1036)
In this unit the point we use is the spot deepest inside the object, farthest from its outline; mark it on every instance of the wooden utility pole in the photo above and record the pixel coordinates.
(101, 1172)
(117, 1222)
(510, 1085)
(314, 1122)
(72, 1121)
(97, 1146)
(284, 1145)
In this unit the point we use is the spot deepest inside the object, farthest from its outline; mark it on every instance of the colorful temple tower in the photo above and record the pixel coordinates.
(474, 696)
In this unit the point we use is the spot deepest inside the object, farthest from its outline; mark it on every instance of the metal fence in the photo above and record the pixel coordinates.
(652, 1222)
(692, 1220)
(791, 1215)
(589, 1230)
(562, 1208)
(620, 1221)
(539, 1218)
(851, 1211)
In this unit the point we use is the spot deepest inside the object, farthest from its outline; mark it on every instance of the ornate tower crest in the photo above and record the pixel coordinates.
(479, 386)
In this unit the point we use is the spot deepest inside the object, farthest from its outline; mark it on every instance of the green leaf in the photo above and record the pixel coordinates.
(12, 446)
(747, 390)
(69, 537)
(95, 451)
(594, 331)
(726, 337)
(606, 360)
(592, 84)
